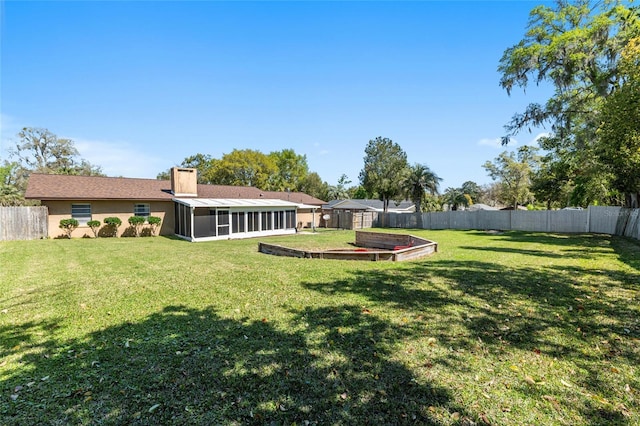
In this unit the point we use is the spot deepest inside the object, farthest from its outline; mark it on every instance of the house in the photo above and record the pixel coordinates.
(189, 210)
(479, 206)
(361, 205)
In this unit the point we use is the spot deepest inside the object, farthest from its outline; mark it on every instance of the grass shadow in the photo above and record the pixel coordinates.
(191, 366)
(583, 317)
(628, 251)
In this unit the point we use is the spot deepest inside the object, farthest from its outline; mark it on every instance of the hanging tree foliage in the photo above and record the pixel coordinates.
(619, 133)
(574, 46)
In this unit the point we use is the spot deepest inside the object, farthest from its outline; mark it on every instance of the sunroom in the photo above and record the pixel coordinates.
(206, 219)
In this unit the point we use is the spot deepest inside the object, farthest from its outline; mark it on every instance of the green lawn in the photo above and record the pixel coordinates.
(503, 329)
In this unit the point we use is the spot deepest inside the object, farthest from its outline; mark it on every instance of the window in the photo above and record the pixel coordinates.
(253, 221)
(81, 213)
(265, 218)
(237, 222)
(278, 220)
(141, 210)
(291, 219)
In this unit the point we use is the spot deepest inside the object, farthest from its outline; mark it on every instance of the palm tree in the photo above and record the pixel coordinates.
(456, 197)
(420, 181)
(339, 191)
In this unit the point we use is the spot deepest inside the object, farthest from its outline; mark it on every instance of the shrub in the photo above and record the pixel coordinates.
(154, 223)
(68, 226)
(137, 222)
(113, 223)
(94, 225)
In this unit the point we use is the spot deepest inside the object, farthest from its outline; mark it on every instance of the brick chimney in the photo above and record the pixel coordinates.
(184, 182)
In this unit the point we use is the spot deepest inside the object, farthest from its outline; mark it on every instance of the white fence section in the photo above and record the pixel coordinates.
(595, 219)
(23, 223)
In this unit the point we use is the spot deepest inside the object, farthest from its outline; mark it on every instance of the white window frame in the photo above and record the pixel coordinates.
(144, 212)
(79, 213)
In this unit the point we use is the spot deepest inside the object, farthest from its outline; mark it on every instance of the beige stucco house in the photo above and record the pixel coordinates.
(189, 210)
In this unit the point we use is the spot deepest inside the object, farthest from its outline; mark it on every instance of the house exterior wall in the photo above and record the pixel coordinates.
(109, 208)
(307, 218)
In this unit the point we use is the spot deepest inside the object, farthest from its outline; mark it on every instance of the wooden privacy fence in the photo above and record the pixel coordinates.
(23, 223)
(351, 220)
(595, 219)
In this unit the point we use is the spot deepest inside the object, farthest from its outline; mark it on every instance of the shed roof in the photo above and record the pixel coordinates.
(368, 204)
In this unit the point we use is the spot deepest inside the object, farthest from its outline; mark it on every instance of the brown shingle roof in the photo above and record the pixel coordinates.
(66, 187)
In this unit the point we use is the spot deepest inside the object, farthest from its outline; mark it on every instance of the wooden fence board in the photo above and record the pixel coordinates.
(23, 223)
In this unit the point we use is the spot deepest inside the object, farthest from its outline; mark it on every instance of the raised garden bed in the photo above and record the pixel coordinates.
(372, 246)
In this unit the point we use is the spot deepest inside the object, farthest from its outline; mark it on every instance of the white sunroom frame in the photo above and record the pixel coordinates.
(186, 227)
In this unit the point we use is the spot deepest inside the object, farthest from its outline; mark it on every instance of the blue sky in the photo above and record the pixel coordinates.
(139, 86)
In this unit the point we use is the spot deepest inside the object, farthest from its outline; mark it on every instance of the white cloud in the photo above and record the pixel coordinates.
(497, 143)
(534, 141)
(121, 158)
(513, 143)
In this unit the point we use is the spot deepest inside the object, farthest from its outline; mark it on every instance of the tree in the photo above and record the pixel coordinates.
(575, 47)
(10, 194)
(619, 133)
(358, 193)
(455, 198)
(313, 185)
(95, 227)
(245, 167)
(68, 226)
(490, 193)
(203, 163)
(292, 169)
(420, 181)
(137, 222)
(550, 183)
(514, 174)
(165, 175)
(339, 191)
(385, 168)
(113, 223)
(154, 224)
(473, 190)
(431, 203)
(41, 151)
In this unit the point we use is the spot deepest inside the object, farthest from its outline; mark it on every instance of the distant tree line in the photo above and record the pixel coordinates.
(283, 170)
(386, 173)
(39, 151)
